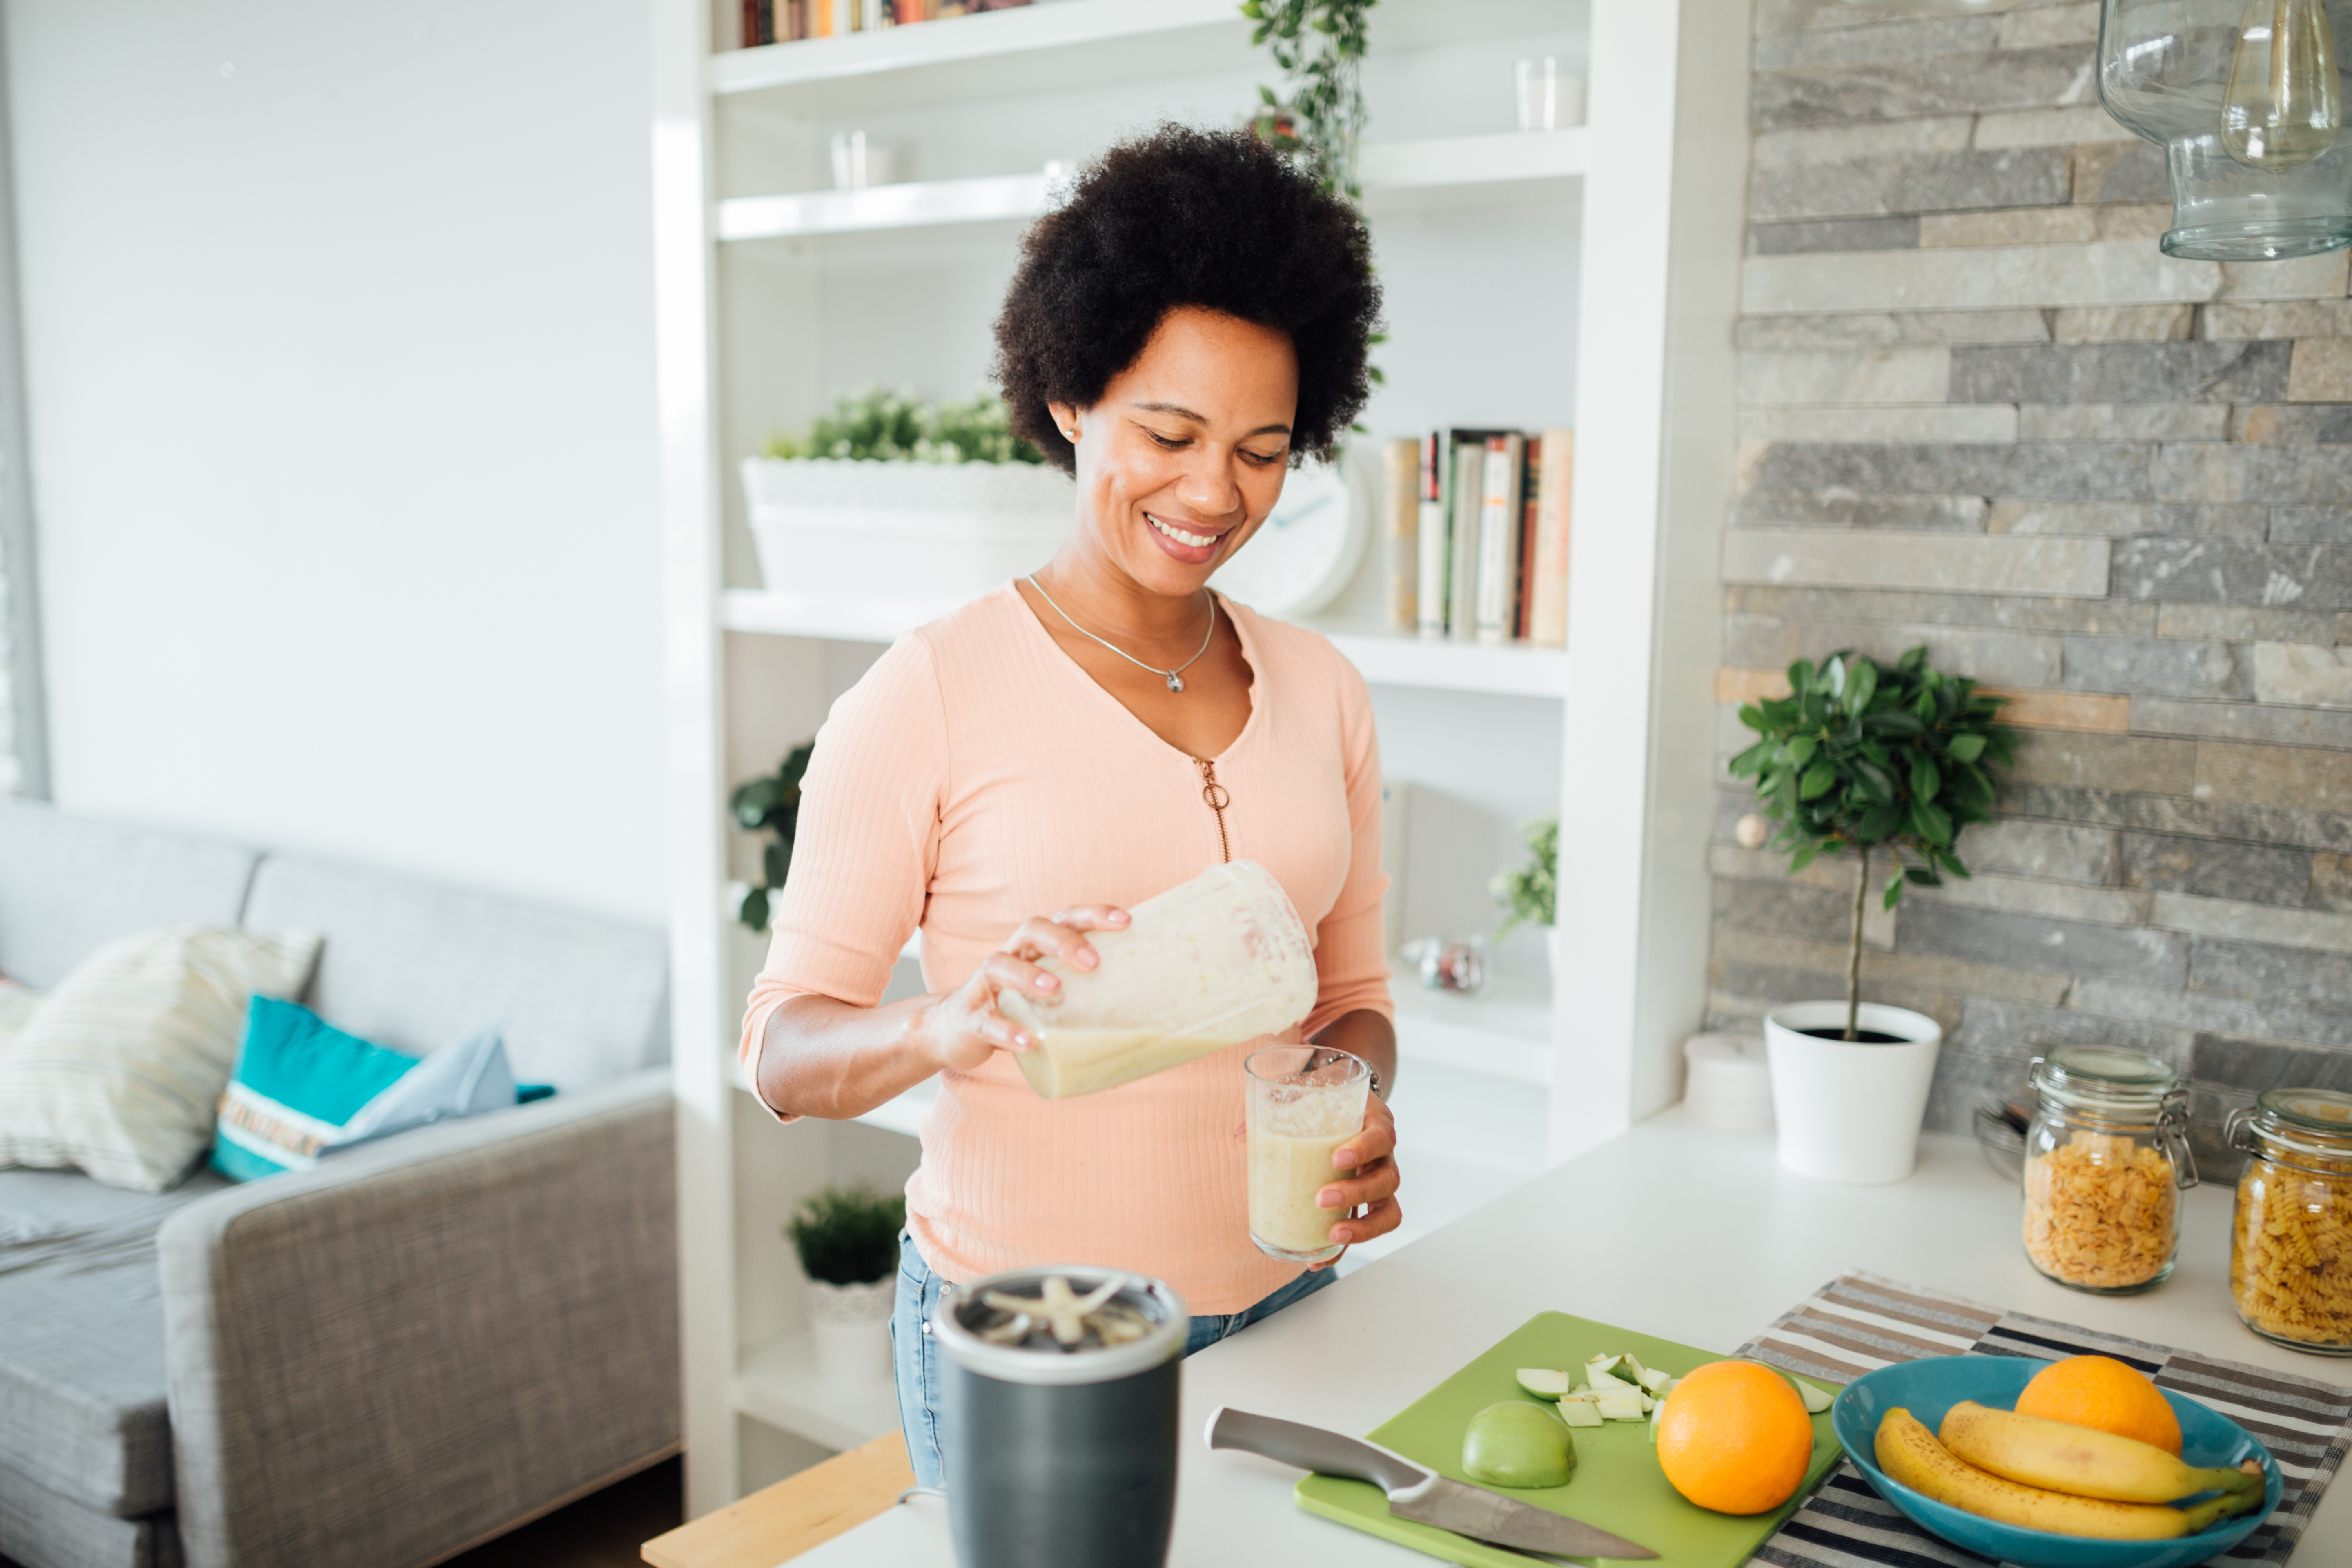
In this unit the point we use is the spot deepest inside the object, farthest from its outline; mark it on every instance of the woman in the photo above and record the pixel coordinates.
(1191, 322)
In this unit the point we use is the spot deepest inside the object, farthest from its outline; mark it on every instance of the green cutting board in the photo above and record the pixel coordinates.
(1617, 1484)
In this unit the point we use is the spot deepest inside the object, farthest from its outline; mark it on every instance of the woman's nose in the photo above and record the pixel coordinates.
(1208, 485)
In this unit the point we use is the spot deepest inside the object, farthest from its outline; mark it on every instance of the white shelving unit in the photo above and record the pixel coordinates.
(1585, 277)
(1390, 173)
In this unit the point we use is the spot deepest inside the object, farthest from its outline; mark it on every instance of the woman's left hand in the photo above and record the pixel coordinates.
(1373, 1188)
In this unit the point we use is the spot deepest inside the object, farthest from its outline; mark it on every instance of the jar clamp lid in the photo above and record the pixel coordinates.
(2315, 1122)
(2109, 1080)
(2110, 1086)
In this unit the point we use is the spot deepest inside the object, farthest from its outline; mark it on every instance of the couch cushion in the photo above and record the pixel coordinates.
(120, 1070)
(42, 1530)
(73, 885)
(412, 964)
(83, 1379)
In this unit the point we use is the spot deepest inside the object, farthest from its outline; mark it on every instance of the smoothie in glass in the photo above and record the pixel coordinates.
(1304, 1102)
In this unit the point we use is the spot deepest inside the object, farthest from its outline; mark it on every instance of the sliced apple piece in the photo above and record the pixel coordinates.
(1580, 1412)
(1621, 1406)
(1544, 1382)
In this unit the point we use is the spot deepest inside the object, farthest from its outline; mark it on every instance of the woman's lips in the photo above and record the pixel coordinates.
(1191, 548)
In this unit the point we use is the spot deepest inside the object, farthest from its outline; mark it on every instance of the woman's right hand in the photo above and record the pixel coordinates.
(963, 1028)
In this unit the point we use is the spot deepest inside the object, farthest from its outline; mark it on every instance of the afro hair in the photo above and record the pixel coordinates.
(1184, 217)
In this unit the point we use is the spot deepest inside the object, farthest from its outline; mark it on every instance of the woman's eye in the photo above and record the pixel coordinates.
(1169, 442)
(1262, 459)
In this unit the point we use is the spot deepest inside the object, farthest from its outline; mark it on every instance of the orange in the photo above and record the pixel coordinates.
(1735, 1438)
(2102, 1392)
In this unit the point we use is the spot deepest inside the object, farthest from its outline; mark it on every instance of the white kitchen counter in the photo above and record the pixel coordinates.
(1709, 1241)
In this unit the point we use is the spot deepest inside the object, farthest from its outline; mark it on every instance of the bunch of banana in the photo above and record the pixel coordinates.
(2048, 1475)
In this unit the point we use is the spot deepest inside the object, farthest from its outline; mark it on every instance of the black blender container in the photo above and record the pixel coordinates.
(1058, 1431)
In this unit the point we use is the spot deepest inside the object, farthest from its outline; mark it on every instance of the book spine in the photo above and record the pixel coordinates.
(1430, 541)
(1498, 540)
(1468, 500)
(1548, 613)
(1531, 487)
(1402, 500)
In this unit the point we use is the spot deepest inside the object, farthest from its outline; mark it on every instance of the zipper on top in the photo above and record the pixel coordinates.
(1218, 799)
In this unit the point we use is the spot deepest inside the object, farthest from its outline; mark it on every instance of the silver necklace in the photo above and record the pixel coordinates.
(1175, 677)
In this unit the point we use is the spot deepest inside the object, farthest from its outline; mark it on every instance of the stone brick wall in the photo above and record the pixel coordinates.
(1982, 412)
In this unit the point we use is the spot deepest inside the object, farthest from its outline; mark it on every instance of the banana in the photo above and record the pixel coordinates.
(1910, 1453)
(2082, 1460)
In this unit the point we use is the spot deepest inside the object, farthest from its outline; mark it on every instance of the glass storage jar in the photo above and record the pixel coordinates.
(2104, 1161)
(2291, 1244)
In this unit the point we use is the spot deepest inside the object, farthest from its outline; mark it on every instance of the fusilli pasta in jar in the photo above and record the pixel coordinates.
(2291, 1243)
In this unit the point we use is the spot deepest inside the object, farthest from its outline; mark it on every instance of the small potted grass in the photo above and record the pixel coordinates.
(847, 1241)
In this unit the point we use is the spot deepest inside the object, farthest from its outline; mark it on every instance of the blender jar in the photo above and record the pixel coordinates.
(1207, 964)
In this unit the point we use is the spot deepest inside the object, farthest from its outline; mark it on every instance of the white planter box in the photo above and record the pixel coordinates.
(934, 535)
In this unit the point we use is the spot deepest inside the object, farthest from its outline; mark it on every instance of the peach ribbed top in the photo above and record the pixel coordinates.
(977, 777)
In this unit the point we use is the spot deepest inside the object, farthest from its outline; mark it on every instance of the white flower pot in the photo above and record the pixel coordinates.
(1850, 1113)
(926, 537)
(852, 1326)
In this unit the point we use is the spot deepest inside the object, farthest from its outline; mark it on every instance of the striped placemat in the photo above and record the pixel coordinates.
(1859, 1322)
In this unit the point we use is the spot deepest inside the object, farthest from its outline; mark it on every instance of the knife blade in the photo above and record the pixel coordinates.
(1415, 1492)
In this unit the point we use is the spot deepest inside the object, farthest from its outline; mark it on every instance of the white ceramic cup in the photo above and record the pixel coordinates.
(1850, 1113)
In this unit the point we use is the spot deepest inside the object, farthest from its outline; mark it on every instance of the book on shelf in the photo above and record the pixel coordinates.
(788, 21)
(1400, 530)
(1476, 529)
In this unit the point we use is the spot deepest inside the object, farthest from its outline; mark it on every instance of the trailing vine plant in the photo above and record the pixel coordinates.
(1319, 117)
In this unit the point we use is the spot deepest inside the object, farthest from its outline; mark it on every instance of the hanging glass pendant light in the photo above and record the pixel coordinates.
(2246, 98)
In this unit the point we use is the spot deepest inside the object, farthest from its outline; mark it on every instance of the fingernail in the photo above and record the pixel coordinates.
(1341, 1238)
(1046, 982)
(1024, 1040)
(1084, 958)
(1116, 916)
(1343, 1158)
(1328, 1198)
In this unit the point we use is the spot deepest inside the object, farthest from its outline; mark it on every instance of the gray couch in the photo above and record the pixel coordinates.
(383, 1360)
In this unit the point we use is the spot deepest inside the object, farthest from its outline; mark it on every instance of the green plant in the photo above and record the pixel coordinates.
(770, 804)
(1530, 893)
(1868, 755)
(893, 427)
(848, 1235)
(1319, 117)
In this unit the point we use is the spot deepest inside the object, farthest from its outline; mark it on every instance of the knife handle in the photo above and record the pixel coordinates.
(1314, 1449)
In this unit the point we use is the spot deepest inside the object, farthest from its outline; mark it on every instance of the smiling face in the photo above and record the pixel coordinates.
(1183, 455)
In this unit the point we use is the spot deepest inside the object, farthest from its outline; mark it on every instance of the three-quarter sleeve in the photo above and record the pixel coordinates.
(1350, 945)
(865, 847)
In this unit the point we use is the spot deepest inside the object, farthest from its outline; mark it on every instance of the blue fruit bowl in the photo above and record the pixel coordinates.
(1929, 1388)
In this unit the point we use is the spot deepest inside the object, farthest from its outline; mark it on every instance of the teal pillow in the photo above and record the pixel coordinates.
(299, 1079)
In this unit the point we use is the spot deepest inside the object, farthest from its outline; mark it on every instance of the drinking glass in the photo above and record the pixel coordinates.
(1304, 1102)
(1539, 94)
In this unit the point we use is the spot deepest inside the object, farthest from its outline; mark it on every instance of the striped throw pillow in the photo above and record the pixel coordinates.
(119, 1070)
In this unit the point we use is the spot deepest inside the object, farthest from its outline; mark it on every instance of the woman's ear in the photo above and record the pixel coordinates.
(1066, 419)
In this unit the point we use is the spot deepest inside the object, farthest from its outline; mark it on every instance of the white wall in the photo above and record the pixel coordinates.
(340, 363)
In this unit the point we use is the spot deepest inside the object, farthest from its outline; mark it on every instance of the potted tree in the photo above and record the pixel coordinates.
(1866, 757)
(847, 1241)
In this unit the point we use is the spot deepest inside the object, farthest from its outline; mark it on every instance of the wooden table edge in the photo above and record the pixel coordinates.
(777, 1523)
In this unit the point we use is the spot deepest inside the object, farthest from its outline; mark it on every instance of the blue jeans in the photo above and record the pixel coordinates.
(917, 1354)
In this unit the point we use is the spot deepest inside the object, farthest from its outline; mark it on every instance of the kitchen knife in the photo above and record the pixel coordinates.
(1415, 1492)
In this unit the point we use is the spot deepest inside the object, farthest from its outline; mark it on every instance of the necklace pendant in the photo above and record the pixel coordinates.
(1175, 683)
